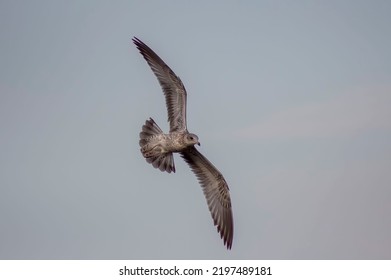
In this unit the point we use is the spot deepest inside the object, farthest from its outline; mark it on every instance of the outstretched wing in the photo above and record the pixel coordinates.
(216, 192)
(172, 86)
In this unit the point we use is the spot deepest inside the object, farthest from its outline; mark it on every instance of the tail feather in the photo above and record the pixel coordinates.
(163, 162)
(154, 155)
(150, 128)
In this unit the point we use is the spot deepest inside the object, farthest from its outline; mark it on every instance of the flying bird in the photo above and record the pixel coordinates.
(158, 147)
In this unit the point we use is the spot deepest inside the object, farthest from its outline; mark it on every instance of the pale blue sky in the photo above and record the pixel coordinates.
(290, 99)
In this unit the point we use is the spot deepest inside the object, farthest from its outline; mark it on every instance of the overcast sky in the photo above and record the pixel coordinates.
(291, 100)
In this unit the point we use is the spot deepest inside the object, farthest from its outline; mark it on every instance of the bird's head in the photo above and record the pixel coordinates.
(192, 139)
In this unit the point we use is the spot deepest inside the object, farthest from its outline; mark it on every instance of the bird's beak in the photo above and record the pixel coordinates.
(199, 144)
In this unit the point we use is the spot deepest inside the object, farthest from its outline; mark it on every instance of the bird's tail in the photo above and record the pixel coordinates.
(151, 148)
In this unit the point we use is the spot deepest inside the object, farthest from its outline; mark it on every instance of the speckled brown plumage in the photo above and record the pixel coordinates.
(158, 148)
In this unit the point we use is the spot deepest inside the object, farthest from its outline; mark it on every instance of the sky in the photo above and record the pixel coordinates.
(290, 100)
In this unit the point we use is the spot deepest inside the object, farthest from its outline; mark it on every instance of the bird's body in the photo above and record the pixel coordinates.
(158, 148)
(165, 143)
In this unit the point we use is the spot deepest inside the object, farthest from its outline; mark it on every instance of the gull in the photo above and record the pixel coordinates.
(158, 147)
